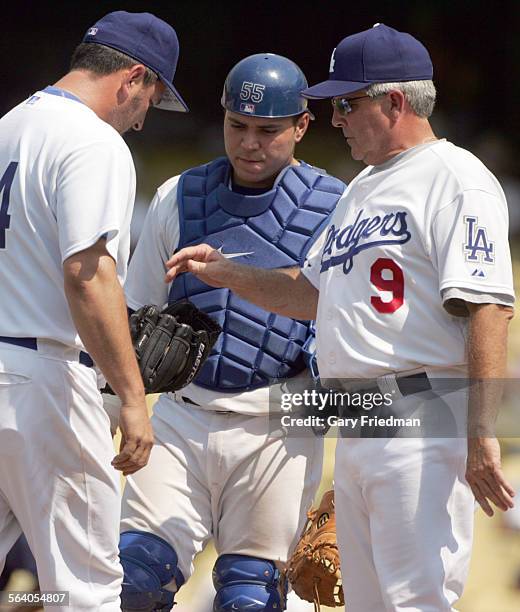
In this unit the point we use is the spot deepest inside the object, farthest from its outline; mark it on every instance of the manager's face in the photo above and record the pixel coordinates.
(365, 124)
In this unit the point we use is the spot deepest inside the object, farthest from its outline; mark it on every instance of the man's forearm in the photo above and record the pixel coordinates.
(98, 308)
(487, 359)
(284, 291)
(487, 369)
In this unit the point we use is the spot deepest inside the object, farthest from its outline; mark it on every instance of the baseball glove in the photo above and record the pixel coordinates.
(314, 568)
(171, 345)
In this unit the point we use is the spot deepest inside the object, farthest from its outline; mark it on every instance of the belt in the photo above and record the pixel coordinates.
(402, 384)
(32, 343)
(187, 400)
(407, 384)
(413, 383)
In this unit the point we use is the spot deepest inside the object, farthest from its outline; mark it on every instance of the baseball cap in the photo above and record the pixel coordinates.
(147, 39)
(378, 55)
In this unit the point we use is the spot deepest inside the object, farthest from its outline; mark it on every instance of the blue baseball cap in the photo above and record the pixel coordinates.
(147, 39)
(378, 55)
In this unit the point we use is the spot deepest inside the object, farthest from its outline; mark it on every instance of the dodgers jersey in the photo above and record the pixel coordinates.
(67, 179)
(406, 236)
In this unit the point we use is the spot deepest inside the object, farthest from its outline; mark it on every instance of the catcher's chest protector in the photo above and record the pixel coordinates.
(271, 230)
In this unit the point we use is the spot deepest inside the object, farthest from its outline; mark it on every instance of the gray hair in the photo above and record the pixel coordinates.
(419, 94)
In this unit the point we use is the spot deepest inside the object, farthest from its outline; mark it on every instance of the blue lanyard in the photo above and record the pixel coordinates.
(56, 91)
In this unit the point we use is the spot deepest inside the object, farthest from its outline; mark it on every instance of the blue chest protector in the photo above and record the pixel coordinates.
(271, 230)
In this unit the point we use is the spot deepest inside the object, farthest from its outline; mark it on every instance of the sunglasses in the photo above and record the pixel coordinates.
(342, 105)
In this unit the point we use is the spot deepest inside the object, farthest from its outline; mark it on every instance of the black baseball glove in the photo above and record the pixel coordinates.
(171, 345)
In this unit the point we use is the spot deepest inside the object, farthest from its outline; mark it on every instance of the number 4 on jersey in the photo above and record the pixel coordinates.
(5, 189)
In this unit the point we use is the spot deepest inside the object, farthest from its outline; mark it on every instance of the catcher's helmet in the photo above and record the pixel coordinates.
(265, 85)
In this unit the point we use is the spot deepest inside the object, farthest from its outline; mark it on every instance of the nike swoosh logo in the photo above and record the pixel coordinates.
(233, 255)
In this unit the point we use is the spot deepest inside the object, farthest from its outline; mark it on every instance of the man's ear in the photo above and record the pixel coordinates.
(135, 74)
(397, 101)
(301, 126)
(129, 78)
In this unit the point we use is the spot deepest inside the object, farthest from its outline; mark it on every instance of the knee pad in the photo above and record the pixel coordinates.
(149, 564)
(249, 584)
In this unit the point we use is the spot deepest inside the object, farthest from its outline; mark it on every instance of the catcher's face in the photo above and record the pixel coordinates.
(258, 148)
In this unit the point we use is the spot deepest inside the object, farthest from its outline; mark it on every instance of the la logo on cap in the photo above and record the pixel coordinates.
(92, 31)
(377, 55)
(332, 61)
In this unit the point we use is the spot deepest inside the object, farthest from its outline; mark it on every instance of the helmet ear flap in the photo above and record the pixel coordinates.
(265, 85)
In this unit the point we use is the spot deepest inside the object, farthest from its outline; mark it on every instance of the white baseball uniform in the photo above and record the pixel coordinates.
(68, 179)
(215, 471)
(409, 240)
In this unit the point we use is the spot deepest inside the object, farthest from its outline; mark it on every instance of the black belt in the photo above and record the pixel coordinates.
(187, 400)
(32, 343)
(413, 383)
(407, 385)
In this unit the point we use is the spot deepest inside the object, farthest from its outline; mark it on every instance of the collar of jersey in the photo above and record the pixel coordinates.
(56, 91)
(249, 191)
(404, 155)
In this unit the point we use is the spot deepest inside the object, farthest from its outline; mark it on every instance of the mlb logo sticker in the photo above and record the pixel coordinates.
(33, 100)
(92, 31)
(247, 107)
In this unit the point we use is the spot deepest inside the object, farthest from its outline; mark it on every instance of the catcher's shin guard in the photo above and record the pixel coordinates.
(249, 584)
(151, 574)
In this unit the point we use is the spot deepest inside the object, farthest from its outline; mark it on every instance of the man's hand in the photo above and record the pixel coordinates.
(136, 438)
(487, 357)
(485, 476)
(202, 260)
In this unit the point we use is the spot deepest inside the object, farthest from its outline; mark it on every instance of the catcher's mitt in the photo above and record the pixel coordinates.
(171, 345)
(314, 568)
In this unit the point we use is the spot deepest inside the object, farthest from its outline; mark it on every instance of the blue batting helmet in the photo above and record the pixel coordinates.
(265, 85)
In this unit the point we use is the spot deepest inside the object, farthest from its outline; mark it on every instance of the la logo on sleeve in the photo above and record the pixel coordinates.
(477, 247)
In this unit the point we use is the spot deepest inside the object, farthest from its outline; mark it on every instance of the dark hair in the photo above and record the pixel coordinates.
(103, 60)
(296, 118)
